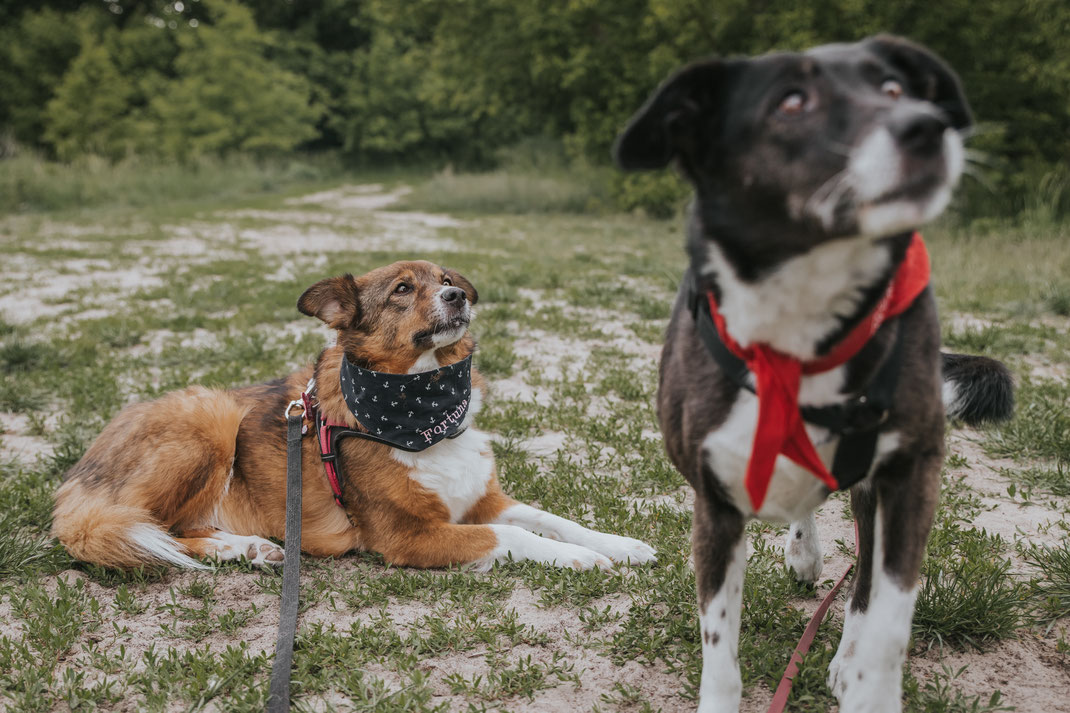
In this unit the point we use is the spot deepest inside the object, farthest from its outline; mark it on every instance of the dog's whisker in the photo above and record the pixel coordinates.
(980, 177)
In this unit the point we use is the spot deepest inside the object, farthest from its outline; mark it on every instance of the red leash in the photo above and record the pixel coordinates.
(780, 697)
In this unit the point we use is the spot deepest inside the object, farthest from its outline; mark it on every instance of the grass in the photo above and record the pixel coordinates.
(30, 184)
(572, 310)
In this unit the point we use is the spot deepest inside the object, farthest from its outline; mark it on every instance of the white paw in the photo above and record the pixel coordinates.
(867, 691)
(519, 544)
(802, 552)
(257, 550)
(581, 558)
(837, 672)
(624, 549)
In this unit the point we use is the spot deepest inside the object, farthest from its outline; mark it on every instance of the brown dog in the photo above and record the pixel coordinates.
(202, 472)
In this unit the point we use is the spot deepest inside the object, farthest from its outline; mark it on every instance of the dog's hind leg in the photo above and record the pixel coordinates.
(802, 550)
(157, 466)
(720, 550)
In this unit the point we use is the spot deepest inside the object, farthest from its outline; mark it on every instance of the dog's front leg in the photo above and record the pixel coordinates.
(615, 547)
(894, 516)
(720, 550)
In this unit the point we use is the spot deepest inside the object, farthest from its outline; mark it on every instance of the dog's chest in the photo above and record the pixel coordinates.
(793, 491)
(457, 470)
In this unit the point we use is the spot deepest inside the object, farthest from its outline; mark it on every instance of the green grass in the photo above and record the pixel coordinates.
(571, 306)
(30, 184)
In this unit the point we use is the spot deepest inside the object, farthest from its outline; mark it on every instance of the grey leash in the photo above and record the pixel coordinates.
(279, 698)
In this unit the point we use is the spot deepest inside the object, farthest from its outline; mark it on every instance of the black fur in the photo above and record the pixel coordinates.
(983, 389)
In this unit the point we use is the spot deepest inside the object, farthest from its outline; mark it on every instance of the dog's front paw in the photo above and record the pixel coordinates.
(624, 549)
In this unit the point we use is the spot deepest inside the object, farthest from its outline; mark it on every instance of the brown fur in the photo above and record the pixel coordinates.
(199, 456)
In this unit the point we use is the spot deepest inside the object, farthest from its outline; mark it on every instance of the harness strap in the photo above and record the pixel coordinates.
(279, 697)
(856, 421)
(328, 435)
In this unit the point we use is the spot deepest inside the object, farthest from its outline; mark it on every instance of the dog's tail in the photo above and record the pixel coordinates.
(977, 390)
(113, 535)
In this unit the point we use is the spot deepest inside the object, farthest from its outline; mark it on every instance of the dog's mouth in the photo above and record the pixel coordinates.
(917, 187)
(458, 324)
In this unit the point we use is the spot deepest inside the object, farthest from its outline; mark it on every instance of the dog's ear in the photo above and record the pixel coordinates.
(333, 300)
(461, 281)
(930, 78)
(667, 122)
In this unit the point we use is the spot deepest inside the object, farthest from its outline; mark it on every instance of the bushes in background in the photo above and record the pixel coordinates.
(436, 82)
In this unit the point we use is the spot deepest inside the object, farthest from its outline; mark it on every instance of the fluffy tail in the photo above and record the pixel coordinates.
(113, 535)
(977, 390)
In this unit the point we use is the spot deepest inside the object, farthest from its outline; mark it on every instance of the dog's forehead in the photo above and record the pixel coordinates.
(418, 270)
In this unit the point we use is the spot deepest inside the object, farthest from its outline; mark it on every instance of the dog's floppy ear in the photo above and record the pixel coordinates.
(461, 281)
(333, 300)
(666, 123)
(930, 78)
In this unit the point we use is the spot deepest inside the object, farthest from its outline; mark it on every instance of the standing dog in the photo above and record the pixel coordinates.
(807, 286)
(203, 472)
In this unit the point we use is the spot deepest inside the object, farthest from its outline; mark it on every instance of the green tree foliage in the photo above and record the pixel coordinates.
(91, 107)
(433, 81)
(35, 52)
(228, 96)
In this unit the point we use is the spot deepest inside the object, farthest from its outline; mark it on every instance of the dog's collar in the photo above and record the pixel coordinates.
(777, 377)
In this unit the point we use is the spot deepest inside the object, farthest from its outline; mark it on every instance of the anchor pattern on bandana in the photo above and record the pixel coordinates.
(409, 411)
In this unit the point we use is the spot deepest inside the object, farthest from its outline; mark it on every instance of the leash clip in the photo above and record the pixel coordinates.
(296, 402)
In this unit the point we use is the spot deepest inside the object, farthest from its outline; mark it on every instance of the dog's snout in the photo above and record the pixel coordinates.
(454, 295)
(921, 135)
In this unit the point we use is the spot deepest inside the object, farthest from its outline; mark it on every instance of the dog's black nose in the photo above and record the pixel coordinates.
(921, 135)
(453, 294)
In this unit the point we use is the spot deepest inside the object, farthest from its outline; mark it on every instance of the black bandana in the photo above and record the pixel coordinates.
(409, 411)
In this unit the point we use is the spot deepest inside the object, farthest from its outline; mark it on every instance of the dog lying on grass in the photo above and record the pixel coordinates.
(202, 473)
(803, 354)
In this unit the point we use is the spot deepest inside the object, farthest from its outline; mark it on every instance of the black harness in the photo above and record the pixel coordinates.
(857, 421)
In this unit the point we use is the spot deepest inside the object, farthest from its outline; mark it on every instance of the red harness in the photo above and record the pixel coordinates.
(327, 432)
(780, 428)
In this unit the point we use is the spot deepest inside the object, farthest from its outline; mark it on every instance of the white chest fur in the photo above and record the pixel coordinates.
(455, 469)
(793, 308)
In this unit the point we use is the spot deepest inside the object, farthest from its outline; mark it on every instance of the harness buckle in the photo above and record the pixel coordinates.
(861, 415)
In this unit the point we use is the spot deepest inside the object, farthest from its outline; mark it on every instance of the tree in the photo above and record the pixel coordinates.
(228, 96)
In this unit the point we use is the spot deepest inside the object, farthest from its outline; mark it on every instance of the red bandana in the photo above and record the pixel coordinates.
(777, 375)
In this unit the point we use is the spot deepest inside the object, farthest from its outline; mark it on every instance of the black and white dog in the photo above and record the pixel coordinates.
(811, 172)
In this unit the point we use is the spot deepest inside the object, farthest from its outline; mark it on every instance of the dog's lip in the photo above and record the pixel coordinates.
(447, 326)
(917, 187)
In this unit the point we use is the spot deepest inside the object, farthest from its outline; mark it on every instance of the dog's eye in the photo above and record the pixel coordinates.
(793, 103)
(447, 281)
(892, 88)
(402, 289)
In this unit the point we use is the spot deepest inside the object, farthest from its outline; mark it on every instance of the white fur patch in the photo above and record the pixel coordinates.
(866, 672)
(457, 470)
(161, 546)
(257, 550)
(615, 547)
(721, 686)
(797, 305)
(519, 544)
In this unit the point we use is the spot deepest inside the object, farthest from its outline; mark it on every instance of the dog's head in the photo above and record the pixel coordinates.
(392, 316)
(858, 139)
